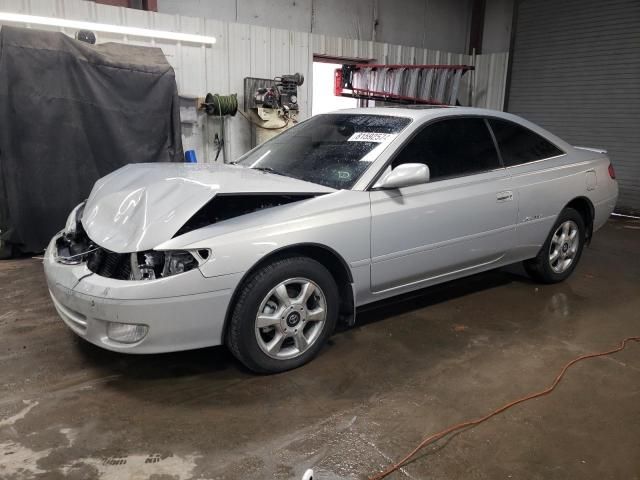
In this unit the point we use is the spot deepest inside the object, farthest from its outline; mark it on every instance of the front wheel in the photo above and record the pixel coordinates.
(284, 314)
(561, 251)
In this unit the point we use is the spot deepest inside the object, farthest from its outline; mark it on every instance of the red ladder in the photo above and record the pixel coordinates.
(406, 84)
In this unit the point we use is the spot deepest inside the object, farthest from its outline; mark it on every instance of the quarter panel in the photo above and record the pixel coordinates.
(546, 187)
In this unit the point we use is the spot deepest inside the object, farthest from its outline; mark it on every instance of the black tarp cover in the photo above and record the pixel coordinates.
(71, 113)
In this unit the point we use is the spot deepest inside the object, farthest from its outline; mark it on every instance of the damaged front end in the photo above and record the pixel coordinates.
(107, 270)
(74, 247)
(149, 265)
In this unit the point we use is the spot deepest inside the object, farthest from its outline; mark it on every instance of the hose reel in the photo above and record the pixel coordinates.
(220, 106)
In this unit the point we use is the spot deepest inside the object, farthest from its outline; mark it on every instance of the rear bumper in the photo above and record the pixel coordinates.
(182, 312)
(603, 209)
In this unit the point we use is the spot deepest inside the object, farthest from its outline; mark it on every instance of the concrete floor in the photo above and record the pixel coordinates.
(410, 367)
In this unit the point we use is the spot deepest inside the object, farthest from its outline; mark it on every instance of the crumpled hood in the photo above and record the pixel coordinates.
(142, 205)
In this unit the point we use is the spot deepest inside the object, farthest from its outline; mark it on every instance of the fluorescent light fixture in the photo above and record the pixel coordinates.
(103, 27)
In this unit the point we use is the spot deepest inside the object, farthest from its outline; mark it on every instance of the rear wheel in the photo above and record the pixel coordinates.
(561, 251)
(284, 314)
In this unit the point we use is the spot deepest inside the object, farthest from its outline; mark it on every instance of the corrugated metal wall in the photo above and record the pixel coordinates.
(576, 71)
(255, 51)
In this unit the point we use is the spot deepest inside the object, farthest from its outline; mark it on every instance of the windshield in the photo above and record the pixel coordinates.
(333, 149)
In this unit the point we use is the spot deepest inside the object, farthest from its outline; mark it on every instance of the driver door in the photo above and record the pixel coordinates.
(462, 220)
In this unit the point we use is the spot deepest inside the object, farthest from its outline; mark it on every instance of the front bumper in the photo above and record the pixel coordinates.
(182, 312)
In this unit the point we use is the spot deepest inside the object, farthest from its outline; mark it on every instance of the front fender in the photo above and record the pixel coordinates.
(339, 221)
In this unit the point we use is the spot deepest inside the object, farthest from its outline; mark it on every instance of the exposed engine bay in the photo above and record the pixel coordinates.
(74, 246)
(224, 207)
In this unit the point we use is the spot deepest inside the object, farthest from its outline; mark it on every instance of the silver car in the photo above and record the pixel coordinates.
(265, 255)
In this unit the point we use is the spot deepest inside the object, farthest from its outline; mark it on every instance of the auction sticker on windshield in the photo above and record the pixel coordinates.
(370, 137)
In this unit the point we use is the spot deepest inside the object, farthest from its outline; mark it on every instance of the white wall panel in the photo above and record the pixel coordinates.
(260, 38)
(490, 80)
(44, 9)
(15, 6)
(281, 43)
(302, 61)
(239, 66)
(76, 10)
(244, 50)
(104, 13)
(217, 57)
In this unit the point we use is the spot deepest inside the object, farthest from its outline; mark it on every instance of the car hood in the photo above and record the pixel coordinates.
(142, 205)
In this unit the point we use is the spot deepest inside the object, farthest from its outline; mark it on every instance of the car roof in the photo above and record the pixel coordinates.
(427, 111)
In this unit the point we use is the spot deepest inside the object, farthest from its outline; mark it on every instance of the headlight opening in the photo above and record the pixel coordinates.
(152, 264)
(73, 246)
(73, 224)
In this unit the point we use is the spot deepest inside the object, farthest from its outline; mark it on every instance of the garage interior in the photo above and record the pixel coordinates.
(411, 366)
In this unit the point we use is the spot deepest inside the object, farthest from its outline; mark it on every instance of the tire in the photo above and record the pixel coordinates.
(273, 330)
(559, 255)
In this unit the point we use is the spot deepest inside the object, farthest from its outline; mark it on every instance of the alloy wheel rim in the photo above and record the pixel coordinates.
(290, 318)
(564, 246)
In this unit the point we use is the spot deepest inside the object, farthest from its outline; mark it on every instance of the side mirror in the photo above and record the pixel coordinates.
(404, 175)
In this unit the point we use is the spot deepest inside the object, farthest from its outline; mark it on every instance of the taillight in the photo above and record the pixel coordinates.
(612, 172)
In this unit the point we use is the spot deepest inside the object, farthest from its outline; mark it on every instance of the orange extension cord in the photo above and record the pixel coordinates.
(470, 423)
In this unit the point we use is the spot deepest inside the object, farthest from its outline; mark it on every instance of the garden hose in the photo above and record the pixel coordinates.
(221, 105)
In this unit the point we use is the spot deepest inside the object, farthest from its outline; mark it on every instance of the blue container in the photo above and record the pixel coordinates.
(190, 156)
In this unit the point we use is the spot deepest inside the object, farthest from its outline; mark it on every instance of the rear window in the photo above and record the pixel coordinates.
(520, 145)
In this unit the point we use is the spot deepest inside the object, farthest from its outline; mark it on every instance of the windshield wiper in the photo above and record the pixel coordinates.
(268, 169)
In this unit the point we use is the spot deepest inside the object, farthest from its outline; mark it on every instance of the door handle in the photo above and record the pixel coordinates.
(505, 196)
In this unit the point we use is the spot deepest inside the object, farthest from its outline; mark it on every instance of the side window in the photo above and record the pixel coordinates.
(452, 148)
(520, 145)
